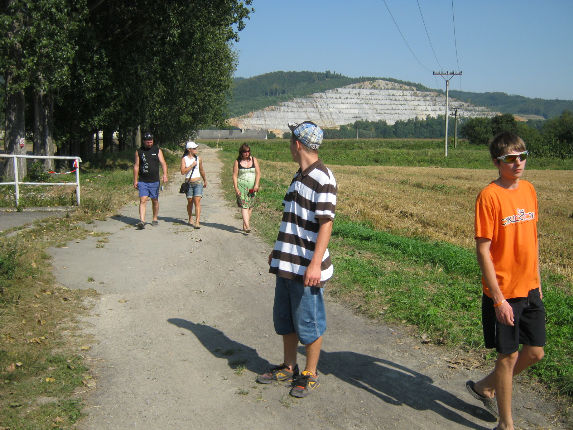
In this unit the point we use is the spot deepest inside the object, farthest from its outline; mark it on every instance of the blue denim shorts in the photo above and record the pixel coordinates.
(195, 189)
(299, 309)
(150, 189)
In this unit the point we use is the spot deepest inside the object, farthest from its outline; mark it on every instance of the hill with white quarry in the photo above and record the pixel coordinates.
(370, 100)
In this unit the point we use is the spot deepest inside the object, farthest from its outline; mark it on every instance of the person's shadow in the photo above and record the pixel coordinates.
(133, 221)
(391, 382)
(125, 219)
(221, 346)
(398, 385)
(222, 227)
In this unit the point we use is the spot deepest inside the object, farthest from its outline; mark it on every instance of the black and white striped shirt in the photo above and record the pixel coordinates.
(310, 196)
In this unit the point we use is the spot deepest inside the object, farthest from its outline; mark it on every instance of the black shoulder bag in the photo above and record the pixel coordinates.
(185, 185)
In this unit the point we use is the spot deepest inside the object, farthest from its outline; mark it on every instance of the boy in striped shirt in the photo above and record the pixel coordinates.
(301, 261)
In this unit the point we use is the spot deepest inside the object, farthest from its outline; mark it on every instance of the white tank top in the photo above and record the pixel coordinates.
(196, 173)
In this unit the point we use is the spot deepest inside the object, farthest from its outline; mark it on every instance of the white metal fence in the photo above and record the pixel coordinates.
(17, 182)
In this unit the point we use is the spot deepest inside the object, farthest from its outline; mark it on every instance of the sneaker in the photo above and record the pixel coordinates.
(278, 373)
(304, 384)
(140, 225)
(489, 402)
(154, 223)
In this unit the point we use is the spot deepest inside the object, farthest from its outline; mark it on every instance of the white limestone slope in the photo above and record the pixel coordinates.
(371, 101)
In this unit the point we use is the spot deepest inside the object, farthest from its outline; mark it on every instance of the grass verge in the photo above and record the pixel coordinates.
(42, 369)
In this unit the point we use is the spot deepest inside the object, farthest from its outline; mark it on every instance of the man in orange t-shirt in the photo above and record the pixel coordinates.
(506, 216)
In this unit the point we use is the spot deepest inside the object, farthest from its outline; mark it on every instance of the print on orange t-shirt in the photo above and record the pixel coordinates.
(509, 219)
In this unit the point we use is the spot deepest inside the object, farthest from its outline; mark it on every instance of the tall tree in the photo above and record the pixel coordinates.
(12, 26)
(35, 54)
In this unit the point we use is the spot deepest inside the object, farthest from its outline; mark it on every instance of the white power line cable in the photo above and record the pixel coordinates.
(404, 38)
(428, 34)
(456, 40)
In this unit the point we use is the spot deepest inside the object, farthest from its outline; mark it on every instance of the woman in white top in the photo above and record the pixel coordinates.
(192, 168)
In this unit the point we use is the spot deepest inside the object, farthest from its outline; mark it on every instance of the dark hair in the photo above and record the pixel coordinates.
(244, 148)
(504, 143)
(185, 152)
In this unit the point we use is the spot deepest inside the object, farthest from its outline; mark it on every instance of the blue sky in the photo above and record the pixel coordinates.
(518, 47)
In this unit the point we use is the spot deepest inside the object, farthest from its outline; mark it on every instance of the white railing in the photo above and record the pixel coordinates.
(17, 182)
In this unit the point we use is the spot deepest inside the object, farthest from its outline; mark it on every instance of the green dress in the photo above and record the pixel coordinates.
(246, 182)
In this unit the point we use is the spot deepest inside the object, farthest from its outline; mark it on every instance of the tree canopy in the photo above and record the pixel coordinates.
(114, 65)
(553, 139)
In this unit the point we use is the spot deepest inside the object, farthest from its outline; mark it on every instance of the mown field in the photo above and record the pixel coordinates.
(403, 242)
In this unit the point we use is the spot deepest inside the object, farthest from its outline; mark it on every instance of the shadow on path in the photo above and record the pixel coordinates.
(389, 381)
(221, 346)
(222, 227)
(133, 221)
(398, 385)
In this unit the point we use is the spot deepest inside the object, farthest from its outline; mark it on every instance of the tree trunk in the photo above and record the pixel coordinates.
(107, 139)
(97, 141)
(47, 136)
(15, 133)
(37, 130)
(122, 139)
(87, 146)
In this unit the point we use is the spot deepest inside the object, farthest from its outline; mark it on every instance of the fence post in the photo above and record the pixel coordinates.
(77, 166)
(16, 187)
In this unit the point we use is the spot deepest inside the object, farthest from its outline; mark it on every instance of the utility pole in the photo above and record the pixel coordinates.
(447, 76)
(456, 128)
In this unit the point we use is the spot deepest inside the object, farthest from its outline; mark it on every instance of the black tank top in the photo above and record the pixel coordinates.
(148, 164)
(250, 167)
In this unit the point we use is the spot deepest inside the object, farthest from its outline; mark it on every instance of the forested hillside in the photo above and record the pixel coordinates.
(270, 89)
(506, 103)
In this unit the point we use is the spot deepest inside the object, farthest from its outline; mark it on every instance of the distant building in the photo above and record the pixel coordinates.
(232, 134)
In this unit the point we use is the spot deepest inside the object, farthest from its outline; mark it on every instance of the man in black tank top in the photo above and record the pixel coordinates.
(146, 177)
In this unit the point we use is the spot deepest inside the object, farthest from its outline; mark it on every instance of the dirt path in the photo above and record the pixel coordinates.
(183, 324)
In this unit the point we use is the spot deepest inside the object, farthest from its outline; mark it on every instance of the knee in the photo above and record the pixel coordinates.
(535, 354)
(507, 360)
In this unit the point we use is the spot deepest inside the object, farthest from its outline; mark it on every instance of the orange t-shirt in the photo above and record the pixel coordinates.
(509, 219)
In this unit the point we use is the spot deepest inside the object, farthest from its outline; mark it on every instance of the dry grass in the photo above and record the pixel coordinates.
(438, 203)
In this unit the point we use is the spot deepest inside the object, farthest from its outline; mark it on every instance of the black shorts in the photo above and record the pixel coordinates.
(528, 320)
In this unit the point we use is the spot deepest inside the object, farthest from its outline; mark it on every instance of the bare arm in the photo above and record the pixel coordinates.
(257, 174)
(539, 273)
(235, 176)
(136, 171)
(163, 165)
(202, 172)
(503, 312)
(312, 274)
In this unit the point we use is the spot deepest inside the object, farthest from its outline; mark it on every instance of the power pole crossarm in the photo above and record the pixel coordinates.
(447, 76)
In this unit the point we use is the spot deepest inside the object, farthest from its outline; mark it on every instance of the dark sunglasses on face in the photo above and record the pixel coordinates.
(512, 158)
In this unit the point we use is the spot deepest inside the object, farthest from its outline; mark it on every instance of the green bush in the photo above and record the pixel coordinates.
(37, 172)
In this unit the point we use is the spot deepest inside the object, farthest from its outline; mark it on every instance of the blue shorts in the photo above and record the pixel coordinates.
(299, 309)
(195, 189)
(150, 189)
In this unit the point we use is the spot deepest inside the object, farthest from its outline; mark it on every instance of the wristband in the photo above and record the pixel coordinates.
(497, 305)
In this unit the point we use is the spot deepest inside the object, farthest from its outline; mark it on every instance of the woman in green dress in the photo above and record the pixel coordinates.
(246, 177)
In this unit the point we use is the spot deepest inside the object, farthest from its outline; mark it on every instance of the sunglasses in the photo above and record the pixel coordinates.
(512, 158)
(245, 152)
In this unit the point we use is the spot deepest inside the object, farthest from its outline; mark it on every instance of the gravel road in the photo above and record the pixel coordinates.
(183, 323)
